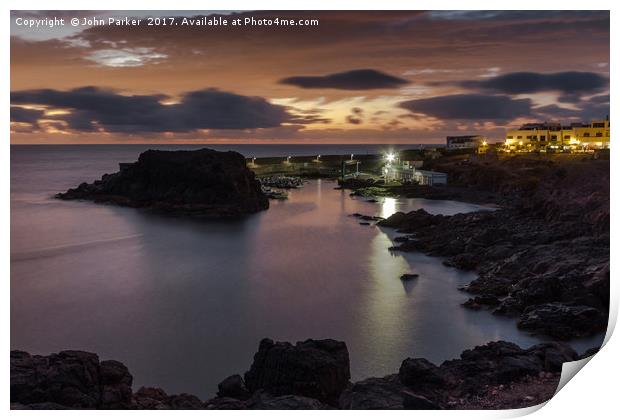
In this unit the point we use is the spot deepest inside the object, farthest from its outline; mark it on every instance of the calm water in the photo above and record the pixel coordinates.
(184, 304)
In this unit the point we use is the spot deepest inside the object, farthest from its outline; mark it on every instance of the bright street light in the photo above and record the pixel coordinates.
(390, 157)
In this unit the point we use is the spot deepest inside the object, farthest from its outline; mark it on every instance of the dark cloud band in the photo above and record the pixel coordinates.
(569, 83)
(470, 107)
(363, 79)
(92, 107)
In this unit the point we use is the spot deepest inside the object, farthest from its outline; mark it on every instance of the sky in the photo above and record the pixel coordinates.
(356, 77)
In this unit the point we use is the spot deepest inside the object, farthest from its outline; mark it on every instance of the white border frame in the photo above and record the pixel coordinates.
(593, 394)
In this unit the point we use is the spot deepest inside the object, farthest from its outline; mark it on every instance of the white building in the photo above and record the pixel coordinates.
(430, 177)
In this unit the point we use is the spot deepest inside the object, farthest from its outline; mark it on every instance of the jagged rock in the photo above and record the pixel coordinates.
(500, 362)
(421, 374)
(313, 368)
(413, 401)
(386, 393)
(283, 375)
(264, 401)
(553, 355)
(115, 385)
(477, 301)
(148, 398)
(410, 221)
(561, 321)
(225, 403)
(374, 394)
(74, 379)
(199, 183)
(233, 387)
(185, 402)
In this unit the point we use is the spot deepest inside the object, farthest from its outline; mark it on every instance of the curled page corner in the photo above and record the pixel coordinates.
(569, 370)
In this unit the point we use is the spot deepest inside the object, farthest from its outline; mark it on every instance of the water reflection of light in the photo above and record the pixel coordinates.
(385, 304)
(388, 207)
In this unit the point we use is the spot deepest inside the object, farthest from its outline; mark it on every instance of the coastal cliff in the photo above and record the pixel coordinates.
(313, 374)
(203, 183)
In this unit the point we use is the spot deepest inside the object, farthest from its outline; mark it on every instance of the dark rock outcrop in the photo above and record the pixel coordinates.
(386, 393)
(313, 368)
(417, 373)
(528, 268)
(265, 401)
(561, 321)
(70, 378)
(147, 398)
(202, 182)
(313, 374)
(501, 362)
(233, 387)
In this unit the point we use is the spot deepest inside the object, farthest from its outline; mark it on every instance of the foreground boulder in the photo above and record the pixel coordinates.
(312, 368)
(198, 183)
(156, 399)
(501, 362)
(313, 374)
(387, 393)
(70, 378)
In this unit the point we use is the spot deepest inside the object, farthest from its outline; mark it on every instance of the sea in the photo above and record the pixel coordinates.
(184, 303)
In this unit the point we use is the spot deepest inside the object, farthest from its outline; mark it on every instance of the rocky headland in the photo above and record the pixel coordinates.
(200, 183)
(542, 257)
(313, 374)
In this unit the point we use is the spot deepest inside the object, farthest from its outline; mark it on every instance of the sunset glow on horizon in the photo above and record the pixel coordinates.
(356, 77)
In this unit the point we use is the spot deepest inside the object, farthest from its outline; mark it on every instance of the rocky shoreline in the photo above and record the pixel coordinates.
(542, 257)
(198, 183)
(313, 374)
